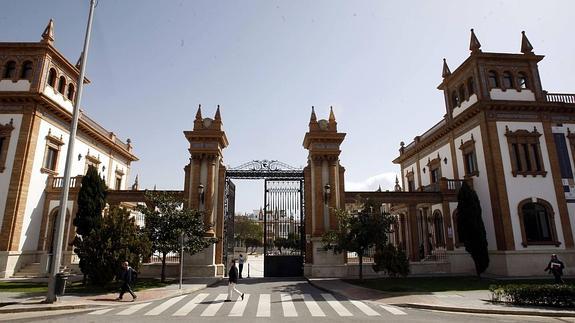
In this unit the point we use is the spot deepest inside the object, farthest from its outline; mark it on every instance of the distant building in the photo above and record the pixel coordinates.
(37, 91)
(515, 143)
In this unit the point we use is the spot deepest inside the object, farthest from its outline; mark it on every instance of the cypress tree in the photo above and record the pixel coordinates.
(471, 229)
(91, 202)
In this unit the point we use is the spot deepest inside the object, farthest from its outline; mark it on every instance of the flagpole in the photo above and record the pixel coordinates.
(57, 258)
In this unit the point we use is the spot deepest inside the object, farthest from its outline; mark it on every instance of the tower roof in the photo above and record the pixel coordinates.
(48, 34)
(474, 44)
(526, 47)
(446, 72)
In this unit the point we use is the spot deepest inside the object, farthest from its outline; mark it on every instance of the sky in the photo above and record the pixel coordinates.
(265, 62)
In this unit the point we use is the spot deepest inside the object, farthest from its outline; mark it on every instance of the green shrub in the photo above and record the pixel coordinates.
(539, 295)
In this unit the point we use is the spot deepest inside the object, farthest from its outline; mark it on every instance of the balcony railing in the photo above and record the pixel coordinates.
(57, 183)
(560, 97)
(444, 185)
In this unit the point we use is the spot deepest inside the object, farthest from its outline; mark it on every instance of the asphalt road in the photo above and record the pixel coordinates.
(277, 300)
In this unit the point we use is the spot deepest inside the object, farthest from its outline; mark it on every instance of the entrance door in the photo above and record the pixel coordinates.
(283, 228)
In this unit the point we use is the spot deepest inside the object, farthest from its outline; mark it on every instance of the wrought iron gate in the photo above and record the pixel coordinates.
(283, 228)
(283, 219)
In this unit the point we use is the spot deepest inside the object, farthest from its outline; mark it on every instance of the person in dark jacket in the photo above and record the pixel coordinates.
(556, 267)
(127, 277)
(232, 281)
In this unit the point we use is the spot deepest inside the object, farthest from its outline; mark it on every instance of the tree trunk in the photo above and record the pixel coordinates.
(163, 275)
(360, 255)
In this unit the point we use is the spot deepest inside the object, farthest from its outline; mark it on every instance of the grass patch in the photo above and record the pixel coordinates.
(23, 287)
(78, 288)
(439, 284)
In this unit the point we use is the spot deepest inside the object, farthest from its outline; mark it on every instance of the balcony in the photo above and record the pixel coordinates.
(560, 97)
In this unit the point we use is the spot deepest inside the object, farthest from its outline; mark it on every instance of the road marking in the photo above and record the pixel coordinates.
(100, 312)
(312, 306)
(215, 306)
(164, 306)
(364, 308)
(336, 305)
(288, 307)
(184, 310)
(264, 306)
(133, 309)
(393, 310)
(240, 306)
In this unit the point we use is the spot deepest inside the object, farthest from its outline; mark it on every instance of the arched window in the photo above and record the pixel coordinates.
(62, 84)
(52, 78)
(470, 86)
(26, 73)
(70, 94)
(461, 93)
(523, 81)
(537, 222)
(9, 70)
(454, 99)
(507, 80)
(438, 228)
(493, 79)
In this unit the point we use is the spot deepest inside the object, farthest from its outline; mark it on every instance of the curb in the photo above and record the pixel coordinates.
(49, 308)
(484, 311)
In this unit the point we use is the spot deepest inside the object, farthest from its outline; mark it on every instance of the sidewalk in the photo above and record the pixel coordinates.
(21, 302)
(455, 301)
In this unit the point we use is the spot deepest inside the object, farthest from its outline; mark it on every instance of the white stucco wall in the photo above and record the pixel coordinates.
(20, 85)
(7, 173)
(446, 169)
(58, 98)
(520, 188)
(480, 183)
(512, 94)
(35, 201)
(464, 105)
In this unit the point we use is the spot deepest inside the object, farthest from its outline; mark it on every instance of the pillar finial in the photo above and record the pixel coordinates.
(526, 47)
(48, 34)
(446, 71)
(474, 44)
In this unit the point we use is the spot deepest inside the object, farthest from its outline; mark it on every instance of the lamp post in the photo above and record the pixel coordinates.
(55, 268)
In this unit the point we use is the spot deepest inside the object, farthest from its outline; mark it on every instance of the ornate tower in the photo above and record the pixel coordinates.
(324, 192)
(204, 188)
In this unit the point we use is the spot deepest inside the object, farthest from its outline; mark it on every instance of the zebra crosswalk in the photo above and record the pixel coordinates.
(262, 305)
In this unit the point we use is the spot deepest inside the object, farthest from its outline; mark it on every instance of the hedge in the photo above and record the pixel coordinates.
(540, 295)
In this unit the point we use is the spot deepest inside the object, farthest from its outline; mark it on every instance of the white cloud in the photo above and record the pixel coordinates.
(386, 180)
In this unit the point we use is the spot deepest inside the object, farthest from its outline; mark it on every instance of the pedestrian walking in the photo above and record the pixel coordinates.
(555, 266)
(127, 277)
(241, 263)
(232, 281)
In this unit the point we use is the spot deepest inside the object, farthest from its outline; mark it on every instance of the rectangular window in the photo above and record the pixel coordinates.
(5, 132)
(525, 152)
(51, 158)
(118, 183)
(469, 157)
(435, 175)
(1, 144)
(411, 186)
(563, 155)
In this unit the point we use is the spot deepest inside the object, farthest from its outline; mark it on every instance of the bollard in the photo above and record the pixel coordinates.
(248, 270)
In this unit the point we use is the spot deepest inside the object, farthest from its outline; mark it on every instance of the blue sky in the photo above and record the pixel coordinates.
(378, 63)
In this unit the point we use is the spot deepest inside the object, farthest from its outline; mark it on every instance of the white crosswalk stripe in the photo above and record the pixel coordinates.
(215, 306)
(336, 305)
(240, 306)
(189, 306)
(393, 310)
(100, 312)
(164, 306)
(364, 308)
(133, 309)
(287, 304)
(264, 306)
(312, 306)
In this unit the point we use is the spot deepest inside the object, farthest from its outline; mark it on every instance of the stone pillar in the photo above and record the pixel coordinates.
(205, 192)
(326, 194)
(412, 230)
